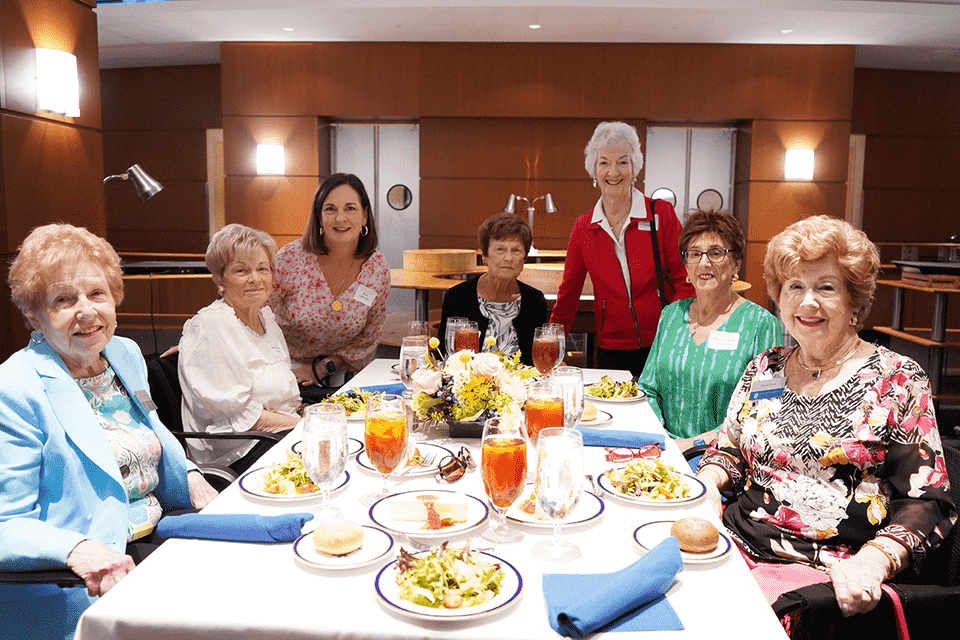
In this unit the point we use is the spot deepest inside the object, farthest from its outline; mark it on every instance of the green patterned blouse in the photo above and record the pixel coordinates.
(689, 385)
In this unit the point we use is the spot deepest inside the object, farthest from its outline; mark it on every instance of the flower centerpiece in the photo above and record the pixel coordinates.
(470, 386)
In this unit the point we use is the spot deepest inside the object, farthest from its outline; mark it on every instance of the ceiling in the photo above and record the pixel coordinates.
(913, 34)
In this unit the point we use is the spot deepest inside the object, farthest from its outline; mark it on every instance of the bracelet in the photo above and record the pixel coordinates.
(895, 563)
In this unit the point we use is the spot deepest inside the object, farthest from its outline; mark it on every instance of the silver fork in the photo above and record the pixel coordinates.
(593, 485)
(428, 461)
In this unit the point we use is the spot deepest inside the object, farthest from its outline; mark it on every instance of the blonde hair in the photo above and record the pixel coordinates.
(608, 134)
(231, 240)
(50, 248)
(819, 237)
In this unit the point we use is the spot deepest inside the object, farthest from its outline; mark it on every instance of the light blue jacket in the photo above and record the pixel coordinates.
(60, 483)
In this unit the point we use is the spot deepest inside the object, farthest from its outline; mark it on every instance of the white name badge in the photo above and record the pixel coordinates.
(276, 350)
(723, 340)
(144, 397)
(768, 388)
(365, 295)
(645, 225)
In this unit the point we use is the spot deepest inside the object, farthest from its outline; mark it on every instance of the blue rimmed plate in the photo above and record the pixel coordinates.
(698, 491)
(649, 535)
(376, 547)
(252, 485)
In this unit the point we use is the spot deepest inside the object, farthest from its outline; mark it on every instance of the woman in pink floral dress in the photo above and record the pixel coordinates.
(831, 446)
(331, 286)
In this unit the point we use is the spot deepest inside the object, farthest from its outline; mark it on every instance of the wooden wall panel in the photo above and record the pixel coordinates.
(269, 79)
(910, 216)
(52, 173)
(912, 163)
(167, 98)
(752, 272)
(155, 151)
(158, 224)
(279, 205)
(897, 103)
(771, 139)
(298, 135)
(776, 205)
(62, 25)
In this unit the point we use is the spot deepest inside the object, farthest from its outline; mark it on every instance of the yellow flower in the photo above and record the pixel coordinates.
(464, 357)
(434, 343)
(490, 341)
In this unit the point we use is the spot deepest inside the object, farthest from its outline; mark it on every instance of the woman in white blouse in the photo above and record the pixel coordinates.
(234, 365)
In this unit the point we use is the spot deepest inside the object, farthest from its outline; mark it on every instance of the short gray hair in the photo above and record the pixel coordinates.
(233, 238)
(609, 134)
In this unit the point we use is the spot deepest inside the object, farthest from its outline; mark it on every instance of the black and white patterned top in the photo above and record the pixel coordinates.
(501, 315)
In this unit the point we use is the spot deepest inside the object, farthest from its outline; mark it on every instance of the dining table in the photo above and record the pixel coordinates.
(216, 590)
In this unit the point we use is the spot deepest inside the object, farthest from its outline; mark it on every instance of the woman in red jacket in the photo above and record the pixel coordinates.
(613, 244)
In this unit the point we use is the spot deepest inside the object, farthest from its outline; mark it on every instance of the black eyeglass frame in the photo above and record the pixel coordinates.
(688, 255)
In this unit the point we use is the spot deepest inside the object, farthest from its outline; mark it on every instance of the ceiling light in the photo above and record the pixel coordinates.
(786, 31)
(534, 26)
(288, 28)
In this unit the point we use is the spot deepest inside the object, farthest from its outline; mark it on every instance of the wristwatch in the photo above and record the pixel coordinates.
(699, 442)
(328, 363)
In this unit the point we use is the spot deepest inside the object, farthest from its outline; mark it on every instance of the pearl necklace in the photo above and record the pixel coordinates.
(815, 373)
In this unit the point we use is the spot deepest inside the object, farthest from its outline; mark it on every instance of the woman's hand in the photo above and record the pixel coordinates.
(712, 479)
(201, 493)
(304, 375)
(856, 580)
(100, 566)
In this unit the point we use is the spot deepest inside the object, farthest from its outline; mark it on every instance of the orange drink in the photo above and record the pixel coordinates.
(467, 339)
(543, 413)
(545, 353)
(504, 469)
(385, 437)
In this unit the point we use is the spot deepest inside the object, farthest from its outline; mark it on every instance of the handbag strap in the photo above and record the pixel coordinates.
(656, 252)
(902, 631)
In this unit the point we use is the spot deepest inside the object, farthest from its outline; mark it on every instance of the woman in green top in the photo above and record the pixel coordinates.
(703, 344)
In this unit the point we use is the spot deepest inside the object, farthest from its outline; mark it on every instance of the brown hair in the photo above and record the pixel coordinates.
(231, 240)
(502, 226)
(819, 237)
(50, 248)
(313, 240)
(722, 223)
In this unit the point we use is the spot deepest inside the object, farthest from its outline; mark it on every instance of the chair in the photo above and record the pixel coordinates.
(165, 389)
(813, 613)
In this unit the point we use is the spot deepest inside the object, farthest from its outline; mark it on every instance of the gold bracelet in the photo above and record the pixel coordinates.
(895, 563)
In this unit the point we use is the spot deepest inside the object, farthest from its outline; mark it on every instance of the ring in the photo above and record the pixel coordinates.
(868, 590)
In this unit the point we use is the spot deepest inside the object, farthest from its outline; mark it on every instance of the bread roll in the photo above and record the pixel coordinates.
(695, 535)
(589, 410)
(337, 537)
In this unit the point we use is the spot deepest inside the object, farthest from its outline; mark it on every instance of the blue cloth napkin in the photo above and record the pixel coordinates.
(631, 599)
(235, 527)
(614, 438)
(394, 387)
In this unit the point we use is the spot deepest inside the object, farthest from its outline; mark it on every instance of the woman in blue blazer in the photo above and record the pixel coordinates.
(86, 467)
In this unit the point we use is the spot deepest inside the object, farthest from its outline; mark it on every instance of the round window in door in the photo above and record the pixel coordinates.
(399, 197)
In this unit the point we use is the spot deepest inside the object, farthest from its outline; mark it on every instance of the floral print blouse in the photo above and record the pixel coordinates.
(135, 447)
(818, 476)
(315, 322)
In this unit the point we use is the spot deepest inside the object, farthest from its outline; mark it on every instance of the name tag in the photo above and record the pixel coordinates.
(723, 340)
(365, 295)
(276, 350)
(645, 225)
(768, 388)
(144, 397)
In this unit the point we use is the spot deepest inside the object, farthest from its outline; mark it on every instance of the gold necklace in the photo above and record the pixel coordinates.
(815, 373)
(336, 305)
(694, 326)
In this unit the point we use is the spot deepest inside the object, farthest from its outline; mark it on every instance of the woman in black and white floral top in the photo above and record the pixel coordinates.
(831, 446)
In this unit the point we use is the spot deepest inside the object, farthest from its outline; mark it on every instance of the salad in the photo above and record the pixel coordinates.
(607, 388)
(288, 478)
(651, 479)
(447, 578)
(353, 402)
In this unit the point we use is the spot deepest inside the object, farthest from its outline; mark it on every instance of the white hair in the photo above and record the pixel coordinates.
(609, 134)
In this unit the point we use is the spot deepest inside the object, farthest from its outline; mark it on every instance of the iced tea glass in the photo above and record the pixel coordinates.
(504, 471)
(385, 437)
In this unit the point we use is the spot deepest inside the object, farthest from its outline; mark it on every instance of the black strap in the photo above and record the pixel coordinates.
(656, 252)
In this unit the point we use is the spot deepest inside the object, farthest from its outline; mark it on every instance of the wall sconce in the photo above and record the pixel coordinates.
(548, 207)
(146, 186)
(58, 86)
(270, 159)
(799, 164)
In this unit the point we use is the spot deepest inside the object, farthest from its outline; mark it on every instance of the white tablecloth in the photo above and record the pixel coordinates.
(231, 591)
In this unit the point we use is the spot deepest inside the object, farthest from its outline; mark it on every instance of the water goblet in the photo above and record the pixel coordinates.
(325, 451)
(385, 438)
(558, 487)
(571, 389)
(504, 471)
(413, 355)
(417, 328)
(450, 332)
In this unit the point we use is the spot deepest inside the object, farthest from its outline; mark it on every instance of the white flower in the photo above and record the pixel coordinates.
(819, 505)
(457, 362)
(122, 417)
(425, 380)
(486, 365)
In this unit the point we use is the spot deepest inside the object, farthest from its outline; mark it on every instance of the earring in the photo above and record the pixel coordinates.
(736, 277)
(321, 231)
(688, 280)
(633, 182)
(594, 183)
(364, 230)
(853, 320)
(36, 337)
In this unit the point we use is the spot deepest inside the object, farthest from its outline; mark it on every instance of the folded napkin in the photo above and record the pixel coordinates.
(236, 527)
(394, 387)
(627, 600)
(614, 438)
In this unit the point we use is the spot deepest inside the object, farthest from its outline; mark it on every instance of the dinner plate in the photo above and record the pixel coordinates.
(377, 545)
(354, 447)
(477, 513)
(603, 419)
(592, 398)
(251, 484)
(649, 535)
(426, 450)
(388, 592)
(588, 509)
(699, 491)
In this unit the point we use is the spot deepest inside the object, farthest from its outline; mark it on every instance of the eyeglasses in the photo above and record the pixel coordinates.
(625, 454)
(713, 255)
(452, 468)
